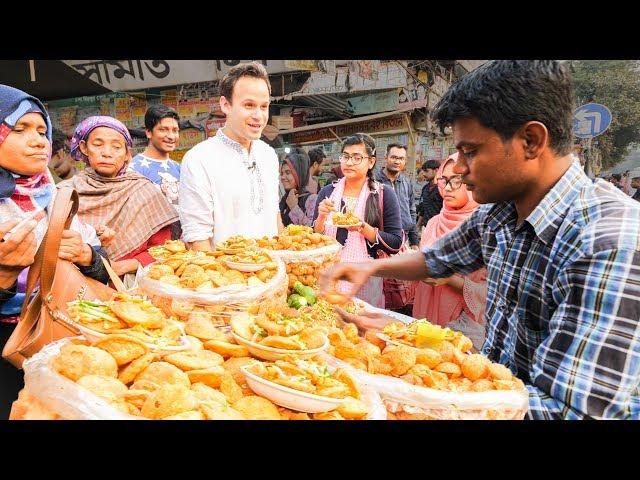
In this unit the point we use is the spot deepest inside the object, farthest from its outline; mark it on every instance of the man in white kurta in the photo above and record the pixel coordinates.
(226, 190)
(229, 183)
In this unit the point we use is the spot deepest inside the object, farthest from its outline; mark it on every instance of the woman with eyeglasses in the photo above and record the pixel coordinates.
(376, 205)
(456, 302)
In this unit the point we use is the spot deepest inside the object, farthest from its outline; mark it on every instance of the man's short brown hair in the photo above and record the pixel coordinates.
(252, 69)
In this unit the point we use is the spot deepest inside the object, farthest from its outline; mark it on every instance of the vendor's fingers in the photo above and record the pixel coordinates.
(331, 275)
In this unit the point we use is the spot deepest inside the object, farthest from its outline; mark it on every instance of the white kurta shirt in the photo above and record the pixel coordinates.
(226, 190)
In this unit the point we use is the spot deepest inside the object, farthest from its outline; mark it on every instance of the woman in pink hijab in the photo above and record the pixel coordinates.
(456, 302)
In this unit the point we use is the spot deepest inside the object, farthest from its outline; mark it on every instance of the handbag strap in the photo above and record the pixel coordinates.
(381, 208)
(43, 268)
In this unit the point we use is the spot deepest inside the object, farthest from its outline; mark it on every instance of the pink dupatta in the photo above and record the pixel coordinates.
(443, 304)
(355, 247)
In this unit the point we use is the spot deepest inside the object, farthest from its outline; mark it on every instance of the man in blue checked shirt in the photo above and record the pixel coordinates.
(562, 251)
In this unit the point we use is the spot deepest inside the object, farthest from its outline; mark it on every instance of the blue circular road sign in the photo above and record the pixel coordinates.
(591, 120)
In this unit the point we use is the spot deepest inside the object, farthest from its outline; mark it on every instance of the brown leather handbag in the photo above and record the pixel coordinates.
(44, 317)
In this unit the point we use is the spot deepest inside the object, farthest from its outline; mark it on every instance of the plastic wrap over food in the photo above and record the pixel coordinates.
(376, 407)
(218, 304)
(229, 294)
(305, 265)
(417, 402)
(62, 396)
(306, 255)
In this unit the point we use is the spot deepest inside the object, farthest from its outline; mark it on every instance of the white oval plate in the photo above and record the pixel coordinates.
(93, 336)
(272, 354)
(245, 267)
(289, 397)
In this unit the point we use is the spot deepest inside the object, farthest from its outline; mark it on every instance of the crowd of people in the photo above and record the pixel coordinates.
(509, 241)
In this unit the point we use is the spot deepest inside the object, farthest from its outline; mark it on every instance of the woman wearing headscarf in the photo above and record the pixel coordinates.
(297, 204)
(456, 302)
(126, 202)
(27, 193)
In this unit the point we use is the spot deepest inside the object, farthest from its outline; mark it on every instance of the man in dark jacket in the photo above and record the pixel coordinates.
(430, 199)
(391, 174)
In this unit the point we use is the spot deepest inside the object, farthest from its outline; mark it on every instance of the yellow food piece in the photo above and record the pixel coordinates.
(76, 361)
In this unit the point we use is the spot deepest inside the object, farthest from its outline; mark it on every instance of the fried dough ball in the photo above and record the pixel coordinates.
(211, 376)
(122, 347)
(216, 411)
(449, 368)
(194, 280)
(499, 372)
(401, 359)
(169, 400)
(428, 357)
(162, 373)
(474, 367)
(233, 364)
(159, 270)
(170, 279)
(332, 415)
(253, 407)
(131, 371)
(226, 349)
(231, 390)
(76, 361)
(190, 415)
(313, 337)
(136, 397)
(194, 360)
(204, 393)
(353, 409)
(482, 385)
(108, 388)
(446, 349)
(200, 325)
(437, 380)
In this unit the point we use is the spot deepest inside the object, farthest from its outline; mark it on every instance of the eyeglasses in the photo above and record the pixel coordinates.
(455, 182)
(394, 158)
(356, 159)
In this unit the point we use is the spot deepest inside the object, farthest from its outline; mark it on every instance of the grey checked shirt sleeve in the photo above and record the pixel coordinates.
(460, 251)
(589, 365)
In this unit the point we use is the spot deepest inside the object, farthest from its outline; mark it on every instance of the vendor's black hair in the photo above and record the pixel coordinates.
(503, 95)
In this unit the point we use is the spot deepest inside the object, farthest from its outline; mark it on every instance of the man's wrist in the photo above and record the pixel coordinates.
(86, 258)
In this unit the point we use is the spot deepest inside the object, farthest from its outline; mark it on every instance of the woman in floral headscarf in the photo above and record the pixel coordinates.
(111, 196)
(456, 302)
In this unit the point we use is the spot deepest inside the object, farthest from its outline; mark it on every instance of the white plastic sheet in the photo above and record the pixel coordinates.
(399, 395)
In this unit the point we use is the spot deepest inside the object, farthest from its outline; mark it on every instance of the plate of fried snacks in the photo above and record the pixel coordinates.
(205, 271)
(235, 244)
(130, 315)
(443, 361)
(169, 248)
(279, 332)
(248, 261)
(421, 334)
(344, 220)
(296, 238)
(305, 385)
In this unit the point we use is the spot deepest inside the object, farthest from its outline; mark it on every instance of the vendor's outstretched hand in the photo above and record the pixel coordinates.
(355, 273)
(365, 320)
